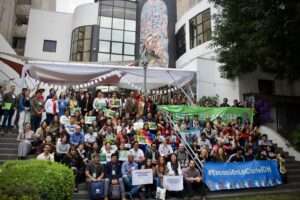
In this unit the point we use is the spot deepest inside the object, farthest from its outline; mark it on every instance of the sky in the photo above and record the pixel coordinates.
(69, 5)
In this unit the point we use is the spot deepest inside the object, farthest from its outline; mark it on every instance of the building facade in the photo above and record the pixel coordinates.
(194, 30)
(106, 31)
(14, 15)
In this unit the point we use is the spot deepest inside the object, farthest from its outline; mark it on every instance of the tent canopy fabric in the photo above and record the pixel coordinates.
(65, 73)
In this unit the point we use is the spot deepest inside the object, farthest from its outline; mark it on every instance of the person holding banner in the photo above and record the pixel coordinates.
(113, 176)
(159, 171)
(137, 153)
(99, 102)
(127, 168)
(193, 180)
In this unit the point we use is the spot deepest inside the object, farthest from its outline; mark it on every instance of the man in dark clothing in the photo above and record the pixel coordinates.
(94, 171)
(37, 108)
(9, 105)
(113, 175)
(225, 103)
(193, 180)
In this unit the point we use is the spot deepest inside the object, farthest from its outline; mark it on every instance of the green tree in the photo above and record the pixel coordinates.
(258, 34)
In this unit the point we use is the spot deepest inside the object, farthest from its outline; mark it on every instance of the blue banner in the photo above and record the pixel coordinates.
(239, 175)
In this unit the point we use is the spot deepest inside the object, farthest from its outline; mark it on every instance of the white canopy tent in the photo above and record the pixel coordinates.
(130, 77)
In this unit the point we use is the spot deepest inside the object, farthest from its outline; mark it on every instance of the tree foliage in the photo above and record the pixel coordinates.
(258, 34)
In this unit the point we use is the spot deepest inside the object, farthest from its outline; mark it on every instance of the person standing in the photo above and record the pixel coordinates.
(24, 109)
(9, 106)
(51, 108)
(25, 138)
(37, 109)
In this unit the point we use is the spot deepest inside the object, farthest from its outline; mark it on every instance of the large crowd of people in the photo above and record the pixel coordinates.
(105, 136)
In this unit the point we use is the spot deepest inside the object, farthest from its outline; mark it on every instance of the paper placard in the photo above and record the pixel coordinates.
(89, 119)
(123, 155)
(173, 183)
(109, 113)
(142, 177)
(74, 110)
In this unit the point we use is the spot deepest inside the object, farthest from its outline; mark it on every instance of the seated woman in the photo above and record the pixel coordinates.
(75, 162)
(62, 148)
(25, 138)
(159, 171)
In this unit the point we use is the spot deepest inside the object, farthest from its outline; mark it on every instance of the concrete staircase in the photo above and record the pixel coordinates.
(9, 145)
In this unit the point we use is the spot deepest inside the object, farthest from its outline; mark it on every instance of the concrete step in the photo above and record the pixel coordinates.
(8, 140)
(4, 156)
(8, 150)
(82, 194)
(8, 136)
(8, 145)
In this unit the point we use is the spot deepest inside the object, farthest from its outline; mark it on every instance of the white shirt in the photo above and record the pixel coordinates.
(49, 157)
(138, 155)
(171, 172)
(49, 106)
(165, 150)
(89, 138)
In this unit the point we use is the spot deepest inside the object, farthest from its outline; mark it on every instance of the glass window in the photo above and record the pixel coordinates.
(87, 45)
(129, 49)
(107, 2)
(79, 56)
(117, 47)
(129, 37)
(88, 32)
(130, 25)
(105, 22)
(128, 58)
(49, 45)
(116, 57)
(120, 3)
(80, 35)
(130, 14)
(180, 42)
(105, 34)
(104, 46)
(131, 5)
(106, 11)
(86, 56)
(118, 23)
(119, 12)
(103, 57)
(117, 35)
(80, 45)
(200, 28)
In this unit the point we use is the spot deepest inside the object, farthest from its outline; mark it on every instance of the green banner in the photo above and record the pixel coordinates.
(226, 113)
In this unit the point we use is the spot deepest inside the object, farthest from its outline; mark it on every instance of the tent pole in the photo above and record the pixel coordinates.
(183, 91)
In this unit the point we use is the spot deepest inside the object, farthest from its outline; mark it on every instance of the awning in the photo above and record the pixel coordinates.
(131, 77)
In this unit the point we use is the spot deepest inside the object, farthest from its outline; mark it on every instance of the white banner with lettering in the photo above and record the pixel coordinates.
(173, 183)
(142, 177)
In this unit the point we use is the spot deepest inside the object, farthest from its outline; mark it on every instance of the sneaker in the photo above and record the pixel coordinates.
(76, 189)
(204, 198)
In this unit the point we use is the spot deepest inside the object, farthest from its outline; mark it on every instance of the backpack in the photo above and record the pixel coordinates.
(97, 190)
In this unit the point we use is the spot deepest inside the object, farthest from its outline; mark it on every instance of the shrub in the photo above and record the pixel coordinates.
(35, 180)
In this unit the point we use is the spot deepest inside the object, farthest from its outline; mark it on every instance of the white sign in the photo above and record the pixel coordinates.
(89, 119)
(142, 177)
(173, 183)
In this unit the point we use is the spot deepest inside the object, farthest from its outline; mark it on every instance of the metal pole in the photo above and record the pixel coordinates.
(145, 80)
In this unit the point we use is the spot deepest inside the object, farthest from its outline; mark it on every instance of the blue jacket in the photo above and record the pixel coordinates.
(77, 138)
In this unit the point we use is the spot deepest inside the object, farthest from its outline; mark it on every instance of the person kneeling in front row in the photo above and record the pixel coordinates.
(193, 180)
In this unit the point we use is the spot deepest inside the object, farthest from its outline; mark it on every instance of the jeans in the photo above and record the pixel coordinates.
(49, 118)
(35, 122)
(133, 189)
(7, 117)
(24, 117)
(108, 185)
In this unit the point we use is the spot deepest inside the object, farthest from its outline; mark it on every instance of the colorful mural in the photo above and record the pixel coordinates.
(154, 33)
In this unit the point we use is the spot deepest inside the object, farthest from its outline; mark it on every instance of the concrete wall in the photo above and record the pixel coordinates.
(7, 18)
(44, 4)
(46, 25)
(86, 14)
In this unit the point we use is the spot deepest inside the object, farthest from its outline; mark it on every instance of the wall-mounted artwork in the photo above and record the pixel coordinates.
(154, 33)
